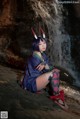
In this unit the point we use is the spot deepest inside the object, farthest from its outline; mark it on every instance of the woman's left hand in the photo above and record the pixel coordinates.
(40, 67)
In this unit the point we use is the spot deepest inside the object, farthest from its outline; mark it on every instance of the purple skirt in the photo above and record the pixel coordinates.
(31, 86)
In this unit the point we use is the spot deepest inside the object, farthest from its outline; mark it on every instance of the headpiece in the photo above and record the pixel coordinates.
(42, 32)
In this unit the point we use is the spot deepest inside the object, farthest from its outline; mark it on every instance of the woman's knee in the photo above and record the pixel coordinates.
(56, 74)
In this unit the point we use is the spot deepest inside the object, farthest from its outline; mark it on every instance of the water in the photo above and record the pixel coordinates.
(60, 41)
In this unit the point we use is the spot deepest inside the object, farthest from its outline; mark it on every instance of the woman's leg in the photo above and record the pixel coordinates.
(43, 80)
(53, 78)
(54, 83)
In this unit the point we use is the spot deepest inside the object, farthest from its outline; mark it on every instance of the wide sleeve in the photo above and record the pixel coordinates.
(35, 61)
(50, 64)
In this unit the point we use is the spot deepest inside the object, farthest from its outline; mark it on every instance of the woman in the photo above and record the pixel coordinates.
(39, 72)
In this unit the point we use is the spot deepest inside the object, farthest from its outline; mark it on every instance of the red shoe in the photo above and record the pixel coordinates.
(60, 96)
(59, 100)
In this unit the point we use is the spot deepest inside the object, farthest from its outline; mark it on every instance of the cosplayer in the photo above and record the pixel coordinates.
(39, 73)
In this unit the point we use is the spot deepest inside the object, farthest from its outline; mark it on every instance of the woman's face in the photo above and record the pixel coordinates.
(42, 46)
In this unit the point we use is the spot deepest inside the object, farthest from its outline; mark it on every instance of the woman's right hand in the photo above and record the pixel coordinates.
(40, 67)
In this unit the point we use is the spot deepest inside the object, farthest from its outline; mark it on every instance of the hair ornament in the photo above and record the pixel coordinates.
(42, 32)
(34, 34)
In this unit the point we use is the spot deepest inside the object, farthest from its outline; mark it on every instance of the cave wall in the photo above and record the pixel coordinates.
(18, 16)
(14, 22)
(16, 19)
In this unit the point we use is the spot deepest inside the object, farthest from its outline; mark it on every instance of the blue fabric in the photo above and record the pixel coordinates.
(31, 73)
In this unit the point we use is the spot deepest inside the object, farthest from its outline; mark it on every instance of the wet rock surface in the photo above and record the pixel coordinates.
(23, 104)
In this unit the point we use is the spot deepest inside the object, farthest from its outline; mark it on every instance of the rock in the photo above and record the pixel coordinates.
(23, 104)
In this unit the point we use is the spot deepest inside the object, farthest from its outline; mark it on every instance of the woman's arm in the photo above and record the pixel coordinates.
(48, 65)
(38, 61)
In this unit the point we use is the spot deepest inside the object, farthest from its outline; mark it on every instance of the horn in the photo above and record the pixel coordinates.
(35, 36)
(42, 32)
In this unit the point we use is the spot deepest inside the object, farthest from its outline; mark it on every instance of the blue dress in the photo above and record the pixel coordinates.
(31, 73)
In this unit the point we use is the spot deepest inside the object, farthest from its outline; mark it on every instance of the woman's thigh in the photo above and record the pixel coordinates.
(43, 80)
